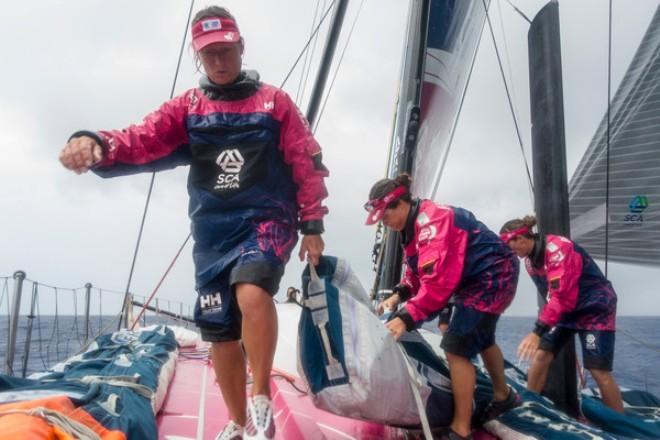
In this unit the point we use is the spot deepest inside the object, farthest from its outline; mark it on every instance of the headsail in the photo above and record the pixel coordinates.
(634, 177)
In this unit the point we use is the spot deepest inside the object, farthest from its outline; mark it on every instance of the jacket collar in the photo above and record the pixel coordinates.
(245, 86)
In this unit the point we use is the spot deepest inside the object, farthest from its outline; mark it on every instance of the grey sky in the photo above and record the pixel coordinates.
(93, 64)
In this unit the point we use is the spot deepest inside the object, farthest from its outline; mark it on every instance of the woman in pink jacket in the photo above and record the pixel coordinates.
(580, 299)
(450, 254)
(255, 179)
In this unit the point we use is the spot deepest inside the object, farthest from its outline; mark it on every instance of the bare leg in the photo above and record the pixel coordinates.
(259, 333)
(463, 379)
(229, 366)
(538, 371)
(494, 362)
(608, 389)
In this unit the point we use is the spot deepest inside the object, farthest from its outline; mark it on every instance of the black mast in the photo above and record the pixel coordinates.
(550, 175)
(405, 138)
(326, 61)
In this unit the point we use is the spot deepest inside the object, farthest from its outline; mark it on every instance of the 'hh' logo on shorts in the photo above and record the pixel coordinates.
(210, 301)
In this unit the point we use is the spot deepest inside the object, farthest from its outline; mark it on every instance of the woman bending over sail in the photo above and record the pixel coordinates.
(580, 299)
(256, 177)
(448, 251)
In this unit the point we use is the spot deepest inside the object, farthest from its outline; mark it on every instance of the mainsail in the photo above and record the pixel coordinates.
(453, 34)
(633, 227)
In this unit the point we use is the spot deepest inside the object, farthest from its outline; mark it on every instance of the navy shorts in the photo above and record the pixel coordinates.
(216, 311)
(597, 345)
(470, 332)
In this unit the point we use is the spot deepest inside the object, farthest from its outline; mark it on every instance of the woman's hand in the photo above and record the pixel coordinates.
(396, 327)
(389, 304)
(528, 346)
(80, 154)
(312, 247)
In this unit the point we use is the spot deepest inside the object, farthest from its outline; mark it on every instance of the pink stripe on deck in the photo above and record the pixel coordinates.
(180, 412)
(296, 417)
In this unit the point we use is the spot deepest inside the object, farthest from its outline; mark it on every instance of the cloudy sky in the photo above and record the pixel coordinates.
(70, 65)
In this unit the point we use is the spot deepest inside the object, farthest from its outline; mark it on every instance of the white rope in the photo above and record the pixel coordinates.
(414, 384)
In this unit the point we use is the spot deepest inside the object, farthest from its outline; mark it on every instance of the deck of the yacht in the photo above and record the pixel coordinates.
(194, 409)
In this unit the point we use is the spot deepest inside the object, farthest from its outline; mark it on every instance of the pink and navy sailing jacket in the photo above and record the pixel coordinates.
(255, 169)
(448, 251)
(579, 296)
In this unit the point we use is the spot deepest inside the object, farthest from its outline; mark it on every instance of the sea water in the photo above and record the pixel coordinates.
(636, 353)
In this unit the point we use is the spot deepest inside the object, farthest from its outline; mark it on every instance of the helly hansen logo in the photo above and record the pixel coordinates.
(211, 300)
(231, 162)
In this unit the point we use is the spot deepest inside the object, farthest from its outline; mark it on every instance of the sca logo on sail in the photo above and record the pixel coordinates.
(636, 206)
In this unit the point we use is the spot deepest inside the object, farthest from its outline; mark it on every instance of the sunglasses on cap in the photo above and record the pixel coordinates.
(376, 207)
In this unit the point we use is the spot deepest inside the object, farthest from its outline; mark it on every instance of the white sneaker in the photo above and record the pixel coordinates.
(231, 431)
(260, 424)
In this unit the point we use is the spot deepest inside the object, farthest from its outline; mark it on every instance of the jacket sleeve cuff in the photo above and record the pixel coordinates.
(93, 135)
(403, 314)
(312, 227)
(403, 291)
(540, 328)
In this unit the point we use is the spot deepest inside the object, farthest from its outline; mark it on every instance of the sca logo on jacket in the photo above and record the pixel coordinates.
(231, 162)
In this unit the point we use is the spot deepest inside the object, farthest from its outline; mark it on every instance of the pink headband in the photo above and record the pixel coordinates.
(214, 30)
(377, 207)
(510, 235)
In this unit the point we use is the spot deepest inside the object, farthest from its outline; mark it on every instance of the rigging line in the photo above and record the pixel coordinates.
(508, 96)
(147, 302)
(513, 90)
(54, 287)
(308, 68)
(507, 57)
(299, 96)
(519, 11)
(341, 58)
(607, 151)
(295, 63)
(153, 175)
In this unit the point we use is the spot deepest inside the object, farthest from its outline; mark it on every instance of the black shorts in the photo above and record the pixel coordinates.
(216, 311)
(470, 332)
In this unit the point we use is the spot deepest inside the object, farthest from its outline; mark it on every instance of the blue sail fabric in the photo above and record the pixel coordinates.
(538, 417)
(117, 380)
(641, 418)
